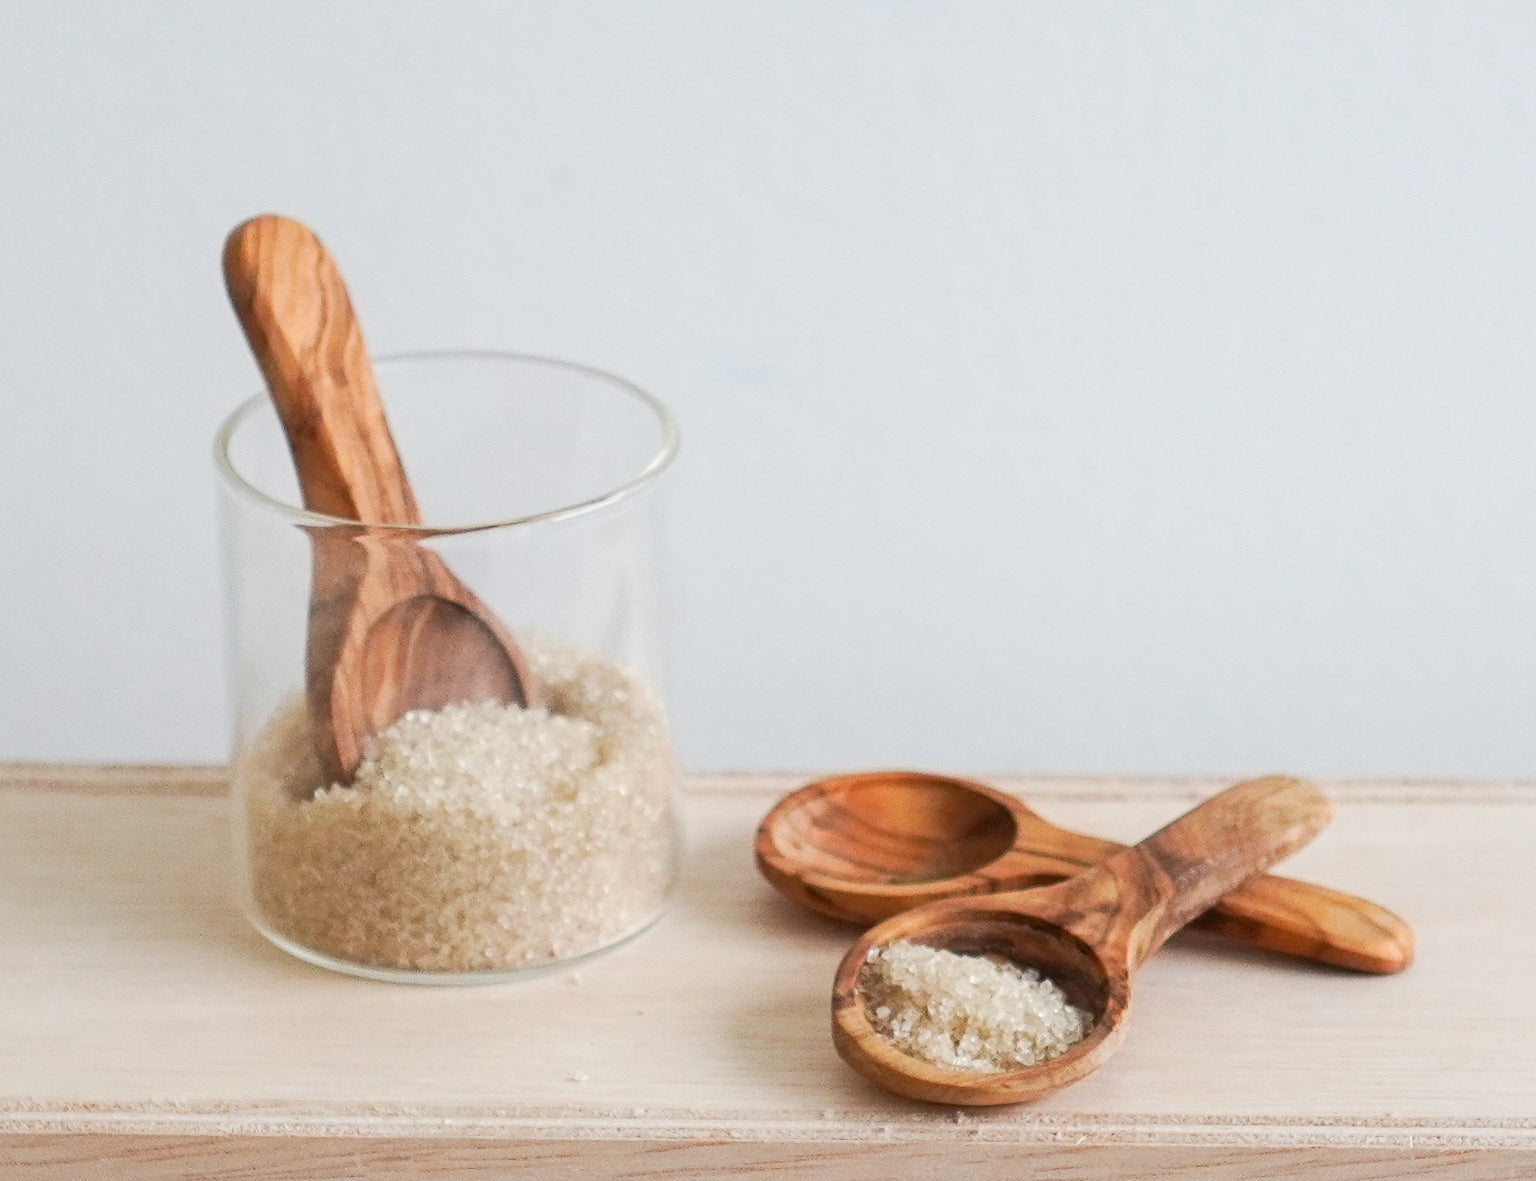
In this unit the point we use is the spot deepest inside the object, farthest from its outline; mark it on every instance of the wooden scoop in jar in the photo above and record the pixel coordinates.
(390, 627)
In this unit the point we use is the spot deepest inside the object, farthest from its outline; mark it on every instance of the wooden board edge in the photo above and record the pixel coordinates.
(212, 780)
(142, 1158)
(191, 779)
(282, 1119)
(1149, 788)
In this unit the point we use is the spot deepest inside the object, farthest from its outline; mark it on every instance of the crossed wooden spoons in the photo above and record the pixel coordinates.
(864, 847)
(1089, 934)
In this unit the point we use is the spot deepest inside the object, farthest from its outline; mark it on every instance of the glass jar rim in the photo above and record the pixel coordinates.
(665, 454)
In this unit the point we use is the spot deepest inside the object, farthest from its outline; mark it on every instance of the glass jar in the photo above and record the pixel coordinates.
(479, 839)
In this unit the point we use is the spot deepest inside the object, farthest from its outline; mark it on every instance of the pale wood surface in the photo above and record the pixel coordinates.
(145, 1031)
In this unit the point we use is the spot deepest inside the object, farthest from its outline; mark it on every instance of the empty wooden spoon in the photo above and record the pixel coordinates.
(390, 627)
(867, 846)
(1089, 934)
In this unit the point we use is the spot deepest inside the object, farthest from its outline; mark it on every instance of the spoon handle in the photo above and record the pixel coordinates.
(294, 308)
(1140, 896)
(1314, 922)
(1270, 912)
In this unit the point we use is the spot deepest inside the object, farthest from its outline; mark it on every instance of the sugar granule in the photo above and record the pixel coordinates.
(472, 838)
(968, 1012)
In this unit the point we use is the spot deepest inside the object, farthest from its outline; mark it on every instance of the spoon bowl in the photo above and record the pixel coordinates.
(863, 847)
(1089, 934)
(1074, 965)
(896, 833)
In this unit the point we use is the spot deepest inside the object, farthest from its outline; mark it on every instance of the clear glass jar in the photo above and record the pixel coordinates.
(475, 841)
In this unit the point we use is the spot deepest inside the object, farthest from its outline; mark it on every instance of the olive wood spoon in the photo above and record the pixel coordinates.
(1089, 934)
(863, 847)
(390, 627)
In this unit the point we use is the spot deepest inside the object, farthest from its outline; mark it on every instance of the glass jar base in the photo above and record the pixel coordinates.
(423, 976)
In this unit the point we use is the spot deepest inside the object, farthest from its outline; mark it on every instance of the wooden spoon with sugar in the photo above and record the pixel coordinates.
(1089, 934)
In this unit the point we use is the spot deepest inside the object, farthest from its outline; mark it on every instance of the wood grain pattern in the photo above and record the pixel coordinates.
(298, 319)
(391, 628)
(255, 1158)
(146, 1032)
(1089, 933)
(863, 847)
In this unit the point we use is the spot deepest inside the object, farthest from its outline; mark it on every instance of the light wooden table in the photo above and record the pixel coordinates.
(146, 1031)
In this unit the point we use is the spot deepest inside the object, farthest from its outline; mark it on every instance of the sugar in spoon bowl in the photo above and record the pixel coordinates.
(1089, 934)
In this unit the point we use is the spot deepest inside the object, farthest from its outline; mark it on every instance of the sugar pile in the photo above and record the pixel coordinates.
(472, 838)
(968, 1012)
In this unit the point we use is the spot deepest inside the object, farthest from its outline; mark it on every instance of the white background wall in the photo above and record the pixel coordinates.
(1070, 386)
